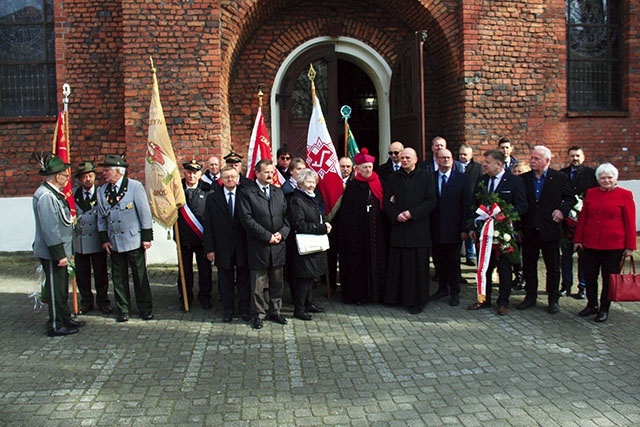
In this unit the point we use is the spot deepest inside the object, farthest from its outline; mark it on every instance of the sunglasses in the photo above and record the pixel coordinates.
(393, 153)
(285, 157)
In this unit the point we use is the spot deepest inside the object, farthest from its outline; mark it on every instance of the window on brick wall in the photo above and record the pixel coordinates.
(27, 58)
(594, 57)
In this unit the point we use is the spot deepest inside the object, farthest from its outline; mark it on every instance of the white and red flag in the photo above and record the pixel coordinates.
(322, 158)
(61, 149)
(164, 186)
(260, 147)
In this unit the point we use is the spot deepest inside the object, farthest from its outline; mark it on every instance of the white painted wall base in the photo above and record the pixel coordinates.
(17, 227)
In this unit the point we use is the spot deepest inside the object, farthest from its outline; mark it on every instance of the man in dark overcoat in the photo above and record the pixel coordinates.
(409, 198)
(263, 214)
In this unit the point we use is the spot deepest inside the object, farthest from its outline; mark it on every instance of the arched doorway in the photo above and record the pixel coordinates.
(348, 73)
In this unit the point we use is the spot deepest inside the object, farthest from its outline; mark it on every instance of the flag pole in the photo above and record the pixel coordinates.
(345, 111)
(66, 91)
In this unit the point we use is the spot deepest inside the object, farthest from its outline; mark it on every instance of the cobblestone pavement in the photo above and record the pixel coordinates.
(368, 365)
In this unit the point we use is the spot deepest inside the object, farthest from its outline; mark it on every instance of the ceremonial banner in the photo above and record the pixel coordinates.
(352, 146)
(322, 158)
(163, 183)
(259, 146)
(61, 149)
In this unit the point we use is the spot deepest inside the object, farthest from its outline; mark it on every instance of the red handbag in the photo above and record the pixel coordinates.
(624, 286)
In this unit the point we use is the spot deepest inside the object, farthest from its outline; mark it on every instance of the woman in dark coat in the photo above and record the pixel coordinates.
(307, 217)
(363, 245)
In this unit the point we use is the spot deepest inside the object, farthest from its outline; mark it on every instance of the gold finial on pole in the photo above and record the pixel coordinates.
(260, 94)
(312, 76)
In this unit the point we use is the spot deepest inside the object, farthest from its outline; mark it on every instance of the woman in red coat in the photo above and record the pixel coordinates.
(606, 231)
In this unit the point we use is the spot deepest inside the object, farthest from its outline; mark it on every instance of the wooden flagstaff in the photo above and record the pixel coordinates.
(66, 91)
(183, 281)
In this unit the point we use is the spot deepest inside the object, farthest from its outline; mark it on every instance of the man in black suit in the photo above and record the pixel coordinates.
(438, 143)
(263, 214)
(225, 244)
(190, 225)
(582, 178)
(211, 174)
(393, 163)
(474, 170)
(510, 189)
(504, 144)
(449, 225)
(549, 199)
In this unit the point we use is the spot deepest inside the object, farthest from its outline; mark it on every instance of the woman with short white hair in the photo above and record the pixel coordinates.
(606, 231)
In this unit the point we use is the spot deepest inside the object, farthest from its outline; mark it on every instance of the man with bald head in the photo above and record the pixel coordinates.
(409, 198)
(393, 163)
(212, 173)
(438, 143)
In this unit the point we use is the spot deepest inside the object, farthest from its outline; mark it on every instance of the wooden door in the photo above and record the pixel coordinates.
(406, 96)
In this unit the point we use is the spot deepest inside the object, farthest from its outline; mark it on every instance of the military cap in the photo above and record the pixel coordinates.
(114, 160)
(85, 167)
(233, 157)
(192, 165)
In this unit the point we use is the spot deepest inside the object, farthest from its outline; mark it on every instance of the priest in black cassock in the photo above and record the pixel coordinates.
(363, 246)
(409, 198)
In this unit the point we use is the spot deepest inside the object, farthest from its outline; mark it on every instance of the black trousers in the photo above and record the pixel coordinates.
(227, 278)
(531, 248)
(501, 262)
(56, 293)
(84, 264)
(446, 259)
(204, 272)
(603, 262)
(302, 294)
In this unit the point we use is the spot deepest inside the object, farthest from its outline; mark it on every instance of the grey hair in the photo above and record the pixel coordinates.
(545, 151)
(119, 169)
(607, 168)
(306, 173)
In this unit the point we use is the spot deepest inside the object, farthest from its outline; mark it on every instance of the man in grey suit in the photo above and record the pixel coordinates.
(89, 254)
(125, 228)
(52, 244)
(263, 214)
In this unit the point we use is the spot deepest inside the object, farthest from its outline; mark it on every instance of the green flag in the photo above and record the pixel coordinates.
(352, 147)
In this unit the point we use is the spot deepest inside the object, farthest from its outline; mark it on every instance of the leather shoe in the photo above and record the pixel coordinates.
(527, 303)
(72, 323)
(581, 294)
(146, 316)
(502, 310)
(278, 318)
(438, 295)
(106, 309)
(84, 309)
(227, 318)
(415, 309)
(553, 308)
(206, 305)
(315, 309)
(60, 332)
(602, 317)
(477, 306)
(588, 311)
(454, 301)
(470, 262)
(257, 323)
(122, 318)
(564, 292)
(303, 316)
(246, 317)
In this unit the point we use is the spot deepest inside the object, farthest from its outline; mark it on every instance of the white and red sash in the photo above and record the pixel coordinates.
(187, 214)
(488, 216)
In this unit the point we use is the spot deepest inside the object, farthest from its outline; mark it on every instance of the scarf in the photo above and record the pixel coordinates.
(374, 185)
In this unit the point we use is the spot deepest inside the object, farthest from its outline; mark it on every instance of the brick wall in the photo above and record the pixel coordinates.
(493, 68)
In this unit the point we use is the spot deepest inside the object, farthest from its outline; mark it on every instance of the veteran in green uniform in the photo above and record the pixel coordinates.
(52, 244)
(125, 229)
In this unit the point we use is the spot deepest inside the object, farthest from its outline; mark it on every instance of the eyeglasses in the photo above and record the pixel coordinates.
(285, 157)
(393, 153)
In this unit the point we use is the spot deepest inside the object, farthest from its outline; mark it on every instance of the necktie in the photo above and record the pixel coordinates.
(87, 197)
(266, 191)
(443, 182)
(573, 174)
(395, 167)
(230, 203)
(492, 184)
